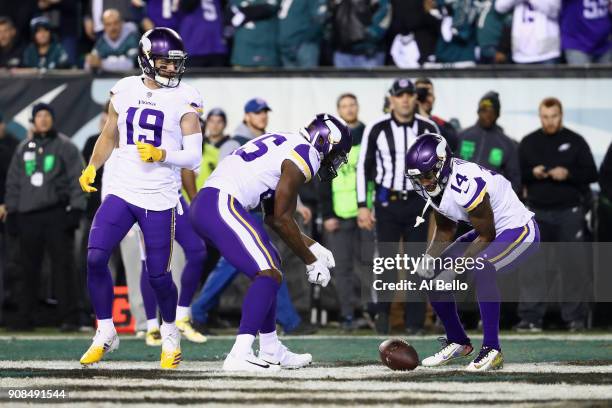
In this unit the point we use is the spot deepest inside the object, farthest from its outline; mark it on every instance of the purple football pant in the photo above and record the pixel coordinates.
(222, 221)
(509, 249)
(195, 255)
(111, 223)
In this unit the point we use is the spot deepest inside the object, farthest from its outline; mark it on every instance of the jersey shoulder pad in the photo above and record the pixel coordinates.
(192, 97)
(124, 84)
(468, 185)
(306, 158)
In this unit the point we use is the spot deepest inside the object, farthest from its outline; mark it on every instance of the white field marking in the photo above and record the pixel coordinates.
(212, 369)
(316, 391)
(473, 335)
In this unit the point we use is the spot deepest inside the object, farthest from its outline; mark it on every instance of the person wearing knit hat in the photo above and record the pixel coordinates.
(44, 52)
(486, 144)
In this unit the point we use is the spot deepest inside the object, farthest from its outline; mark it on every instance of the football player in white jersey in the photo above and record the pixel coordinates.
(504, 235)
(268, 169)
(153, 121)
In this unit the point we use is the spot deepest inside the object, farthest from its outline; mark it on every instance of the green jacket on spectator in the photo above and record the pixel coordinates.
(457, 42)
(255, 38)
(490, 32)
(300, 21)
(119, 55)
(55, 58)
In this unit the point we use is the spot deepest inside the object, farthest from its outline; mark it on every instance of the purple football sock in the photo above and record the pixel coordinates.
(148, 296)
(256, 304)
(269, 323)
(445, 307)
(190, 279)
(489, 301)
(100, 283)
(166, 295)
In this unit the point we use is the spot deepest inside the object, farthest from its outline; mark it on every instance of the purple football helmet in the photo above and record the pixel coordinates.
(429, 164)
(331, 137)
(162, 43)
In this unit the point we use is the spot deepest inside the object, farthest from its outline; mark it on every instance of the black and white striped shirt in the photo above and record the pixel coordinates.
(383, 153)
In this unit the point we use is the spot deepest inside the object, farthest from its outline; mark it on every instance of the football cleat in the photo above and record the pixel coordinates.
(171, 354)
(488, 359)
(153, 338)
(101, 345)
(250, 364)
(187, 330)
(286, 358)
(449, 352)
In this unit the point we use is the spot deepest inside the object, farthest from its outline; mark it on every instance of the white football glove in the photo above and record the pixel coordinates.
(324, 254)
(318, 273)
(425, 268)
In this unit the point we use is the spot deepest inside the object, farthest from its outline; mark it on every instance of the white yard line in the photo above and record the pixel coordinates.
(551, 336)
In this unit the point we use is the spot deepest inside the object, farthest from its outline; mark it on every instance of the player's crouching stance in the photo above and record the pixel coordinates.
(154, 128)
(504, 235)
(269, 169)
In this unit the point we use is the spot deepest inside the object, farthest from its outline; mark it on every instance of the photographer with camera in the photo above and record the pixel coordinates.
(425, 102)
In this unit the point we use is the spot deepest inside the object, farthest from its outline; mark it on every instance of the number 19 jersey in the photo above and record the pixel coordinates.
(150, 116)
(468, 183)
(251, 173)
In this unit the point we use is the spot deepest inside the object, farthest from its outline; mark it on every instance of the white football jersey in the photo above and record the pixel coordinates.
(251, 173)
(535, 29)
(466, 188)
(152, 116)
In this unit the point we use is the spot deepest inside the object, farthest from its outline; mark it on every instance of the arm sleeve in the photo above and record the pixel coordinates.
(227, 148)
(365, 165)
(584, 170)
(526, 164)
(73, 162)
(380, 20)
(191, 154)
(13, 180)
(605, 174)
(325, 200)
(512, 168)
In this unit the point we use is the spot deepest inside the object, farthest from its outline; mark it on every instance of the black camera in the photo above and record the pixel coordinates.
(422, 94)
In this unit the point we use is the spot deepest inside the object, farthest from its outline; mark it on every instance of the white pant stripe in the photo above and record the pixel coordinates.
(243, 234)
(519, 249)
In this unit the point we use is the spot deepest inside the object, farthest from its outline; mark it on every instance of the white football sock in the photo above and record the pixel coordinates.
(106, 326)
(152, 324)
(243, 345)
(182, 312)
(269, 343)
(171, 337)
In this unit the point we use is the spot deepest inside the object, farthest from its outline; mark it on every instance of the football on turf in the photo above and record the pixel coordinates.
(398, 355)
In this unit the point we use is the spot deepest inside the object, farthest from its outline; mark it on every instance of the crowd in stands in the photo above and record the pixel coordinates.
(102, 35)
(41, 207)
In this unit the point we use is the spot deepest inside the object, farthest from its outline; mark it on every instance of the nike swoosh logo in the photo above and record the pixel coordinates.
(271, 363)
(259, 365)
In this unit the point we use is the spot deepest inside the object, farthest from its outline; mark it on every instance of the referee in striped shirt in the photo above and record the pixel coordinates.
(381, 159)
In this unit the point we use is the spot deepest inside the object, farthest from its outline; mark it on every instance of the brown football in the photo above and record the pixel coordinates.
(398, 355)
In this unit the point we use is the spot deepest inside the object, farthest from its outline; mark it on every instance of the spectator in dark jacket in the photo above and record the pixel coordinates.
(605, 198)
(8, 143)
(44, 52)
(44, 203)
(415, 17)
(557, 168)
(359, 30)
(486, 144)
(426, 99)
(11, 49)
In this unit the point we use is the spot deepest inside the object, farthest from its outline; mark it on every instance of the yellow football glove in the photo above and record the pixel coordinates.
(87, 178)
(148, 152)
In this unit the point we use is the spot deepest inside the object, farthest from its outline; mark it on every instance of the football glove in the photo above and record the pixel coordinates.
(148, 152)
(324, 254)
(87, 178)
(426, 267)
(318, 273)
